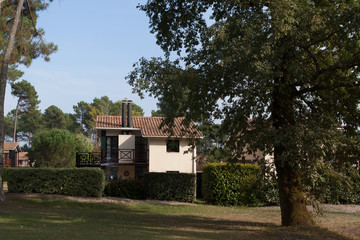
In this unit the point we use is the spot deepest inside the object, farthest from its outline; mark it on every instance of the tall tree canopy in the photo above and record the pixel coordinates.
(292, 67)
(85, 113)
(54, 117)
(20, 42)
(27, 100)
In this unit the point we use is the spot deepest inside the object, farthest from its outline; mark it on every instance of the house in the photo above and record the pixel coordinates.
(132, 146)
(11, 154)
(24, 160)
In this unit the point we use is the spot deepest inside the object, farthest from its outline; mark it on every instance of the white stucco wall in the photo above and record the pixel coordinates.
(126, 142)
(162, 161)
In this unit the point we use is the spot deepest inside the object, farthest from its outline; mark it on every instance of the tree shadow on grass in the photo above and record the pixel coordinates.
(62, 219)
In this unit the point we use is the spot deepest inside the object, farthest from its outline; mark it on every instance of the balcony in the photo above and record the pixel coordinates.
(112, 158)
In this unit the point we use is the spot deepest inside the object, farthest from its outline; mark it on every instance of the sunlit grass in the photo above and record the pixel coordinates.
(42, 218)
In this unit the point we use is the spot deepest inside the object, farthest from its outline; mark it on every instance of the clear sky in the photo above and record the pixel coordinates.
(98, 42)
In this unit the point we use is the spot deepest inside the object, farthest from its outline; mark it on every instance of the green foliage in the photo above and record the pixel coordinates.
(56, 148)
(8, 126)
(67, 181)
(334, 185)
(170, 186)
(27, 101)
(83, 144)
(232, 184)
(30, 124)
(85, 113)
(28, 40)
(128, 188)
(292, 67)
(270, 186)
(26, 94)
(54, 118)
(5, 174)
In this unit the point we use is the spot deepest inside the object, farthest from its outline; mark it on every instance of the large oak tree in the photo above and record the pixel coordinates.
(290, 66)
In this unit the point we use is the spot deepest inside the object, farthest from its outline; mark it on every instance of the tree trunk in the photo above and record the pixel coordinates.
(15, 120)
(3, 78)
(292, 200)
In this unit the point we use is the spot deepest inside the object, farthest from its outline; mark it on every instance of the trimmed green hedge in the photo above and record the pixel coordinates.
(179, 187)
(232, 184)
(5, 174)
(128, 188)
(67, 181)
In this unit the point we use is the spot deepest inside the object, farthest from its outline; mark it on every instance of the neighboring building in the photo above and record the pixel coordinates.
(132, 146)
(24, 160)
(11, 154)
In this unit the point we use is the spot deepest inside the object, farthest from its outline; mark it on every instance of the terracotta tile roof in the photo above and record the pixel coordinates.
(23, 156)
(150, 126)
(9, 146)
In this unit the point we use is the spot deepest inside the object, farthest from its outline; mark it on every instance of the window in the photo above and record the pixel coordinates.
(172, 146)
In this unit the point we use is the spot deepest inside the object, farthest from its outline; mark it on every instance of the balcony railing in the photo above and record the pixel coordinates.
(111, 158)
(88, 159)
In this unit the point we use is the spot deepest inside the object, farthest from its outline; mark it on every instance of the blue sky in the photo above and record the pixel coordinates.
(98, 43)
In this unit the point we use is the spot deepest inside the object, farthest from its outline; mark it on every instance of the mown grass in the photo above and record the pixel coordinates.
(41, 218)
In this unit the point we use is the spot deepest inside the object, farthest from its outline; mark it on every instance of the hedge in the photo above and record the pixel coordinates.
(232, 184)
(5, 174)
(67, 181)
(179, 187)
(125, 188)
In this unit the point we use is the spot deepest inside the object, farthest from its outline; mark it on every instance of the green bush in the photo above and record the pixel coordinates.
(170, 186)
(67, 181)
(232, 184)
(329, 185)
(56, 148)
(5, 174)
(130, 188)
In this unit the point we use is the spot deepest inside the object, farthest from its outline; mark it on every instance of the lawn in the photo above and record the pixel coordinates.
(43, 218)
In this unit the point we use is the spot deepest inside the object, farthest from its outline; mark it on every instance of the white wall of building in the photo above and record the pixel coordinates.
(162, 161)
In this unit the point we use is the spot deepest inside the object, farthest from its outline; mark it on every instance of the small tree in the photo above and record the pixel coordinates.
(27, 100)
(55, 148)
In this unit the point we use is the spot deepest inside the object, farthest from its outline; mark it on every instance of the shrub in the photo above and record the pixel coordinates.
(56, 148)
(130, 188)
(329, 185)
(170, 186)
(232, 184)
(5, 174)
(67, 181)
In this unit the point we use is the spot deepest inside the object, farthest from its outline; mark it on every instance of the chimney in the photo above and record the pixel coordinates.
(129, 114)
(123, 111)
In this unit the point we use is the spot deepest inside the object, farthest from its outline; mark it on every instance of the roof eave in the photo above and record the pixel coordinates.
(125, 128)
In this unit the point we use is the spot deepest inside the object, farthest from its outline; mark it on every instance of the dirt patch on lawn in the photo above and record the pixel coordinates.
(96, 199)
